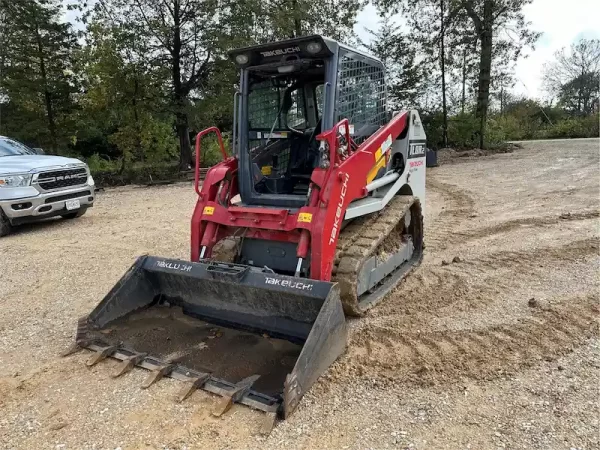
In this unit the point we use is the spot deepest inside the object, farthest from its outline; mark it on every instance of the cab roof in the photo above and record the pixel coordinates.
(296, 48)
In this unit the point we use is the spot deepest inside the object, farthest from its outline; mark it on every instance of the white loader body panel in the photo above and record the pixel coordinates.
(411, 181)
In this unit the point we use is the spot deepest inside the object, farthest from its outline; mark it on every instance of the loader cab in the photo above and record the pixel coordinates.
(290, 92)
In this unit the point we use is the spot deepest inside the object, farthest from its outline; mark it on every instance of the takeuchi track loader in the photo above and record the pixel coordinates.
(317, 212)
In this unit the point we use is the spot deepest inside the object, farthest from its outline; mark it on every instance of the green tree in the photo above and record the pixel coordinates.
(180, 36)
(500, 23)
(434, 26)
(293, 18)
(124, 97)
(37, 59)
(574, 76)
(398, 53)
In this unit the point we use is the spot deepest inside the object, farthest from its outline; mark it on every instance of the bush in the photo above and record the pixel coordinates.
(463, 131)
(138, 173)
(574, 127)
(432, 124)
(211, 153)
(98, 164)
(570, 128)
(591, 125)
(497, 132)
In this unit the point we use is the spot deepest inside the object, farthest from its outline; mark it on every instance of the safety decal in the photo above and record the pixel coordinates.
(387, 144)
(208, 210)
(305, 217)
(381, 160)
(275, 135)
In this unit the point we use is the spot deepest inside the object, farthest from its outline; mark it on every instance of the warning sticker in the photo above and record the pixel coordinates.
(208, 210)
(266, 170)
(386, 144)
(276, 135)
(305, 217)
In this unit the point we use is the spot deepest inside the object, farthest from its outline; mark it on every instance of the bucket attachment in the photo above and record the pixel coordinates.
(251, 336)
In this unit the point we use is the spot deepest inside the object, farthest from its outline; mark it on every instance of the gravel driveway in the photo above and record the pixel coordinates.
(498, 349)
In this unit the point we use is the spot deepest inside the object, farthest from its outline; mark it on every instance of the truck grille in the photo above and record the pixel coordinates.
(62, 178)
(62, 198)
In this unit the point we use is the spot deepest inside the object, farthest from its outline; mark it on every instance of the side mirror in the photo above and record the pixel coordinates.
(39, 151)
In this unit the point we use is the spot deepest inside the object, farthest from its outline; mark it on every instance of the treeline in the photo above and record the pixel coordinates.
(129, 82)
(456, 65)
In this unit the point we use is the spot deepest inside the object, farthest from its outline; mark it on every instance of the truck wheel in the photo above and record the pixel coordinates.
(75, 214)
(5, 226)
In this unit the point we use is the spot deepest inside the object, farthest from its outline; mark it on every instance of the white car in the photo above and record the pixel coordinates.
(34, 186)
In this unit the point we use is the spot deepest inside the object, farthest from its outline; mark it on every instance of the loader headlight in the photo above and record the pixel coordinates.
(14, 181)
(314, 47)
(241, 59)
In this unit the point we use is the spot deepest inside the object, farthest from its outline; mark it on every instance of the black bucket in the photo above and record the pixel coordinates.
(227, 321)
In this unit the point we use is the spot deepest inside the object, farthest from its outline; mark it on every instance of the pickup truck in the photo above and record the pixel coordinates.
(35, 186)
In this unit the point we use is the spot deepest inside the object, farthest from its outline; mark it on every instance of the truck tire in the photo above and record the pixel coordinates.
(5, 226)
(75, 214)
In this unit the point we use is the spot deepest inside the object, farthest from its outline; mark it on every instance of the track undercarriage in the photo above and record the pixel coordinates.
(374, 253)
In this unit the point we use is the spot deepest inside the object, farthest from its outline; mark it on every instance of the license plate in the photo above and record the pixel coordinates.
(72, 204)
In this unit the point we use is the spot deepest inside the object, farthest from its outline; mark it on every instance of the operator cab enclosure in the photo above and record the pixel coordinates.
(290, 92)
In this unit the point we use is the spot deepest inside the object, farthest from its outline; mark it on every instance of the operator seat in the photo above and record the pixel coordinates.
(304, 154)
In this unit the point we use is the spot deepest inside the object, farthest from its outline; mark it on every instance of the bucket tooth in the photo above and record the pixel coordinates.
(100, 355)
(240, 389)
(74, 348)
(157, 375)
(128, 364)
(192, 385)
(267, 424)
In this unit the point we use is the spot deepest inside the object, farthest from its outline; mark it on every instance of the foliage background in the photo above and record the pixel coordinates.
(131, 85)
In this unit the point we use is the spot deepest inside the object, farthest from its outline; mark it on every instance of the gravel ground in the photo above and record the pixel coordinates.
(498, 349)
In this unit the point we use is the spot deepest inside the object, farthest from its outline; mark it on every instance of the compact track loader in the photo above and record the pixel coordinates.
(317, 213)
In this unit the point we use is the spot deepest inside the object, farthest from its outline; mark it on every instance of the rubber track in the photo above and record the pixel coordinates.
(358, 242)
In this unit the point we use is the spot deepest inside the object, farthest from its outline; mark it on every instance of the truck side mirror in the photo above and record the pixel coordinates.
(39, 151)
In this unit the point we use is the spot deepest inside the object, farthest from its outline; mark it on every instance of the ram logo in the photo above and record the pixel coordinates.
(63, 178)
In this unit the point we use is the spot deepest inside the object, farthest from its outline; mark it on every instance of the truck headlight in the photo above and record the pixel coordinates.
(14, 181)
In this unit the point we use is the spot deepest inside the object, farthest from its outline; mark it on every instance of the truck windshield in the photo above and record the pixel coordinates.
(8, 147)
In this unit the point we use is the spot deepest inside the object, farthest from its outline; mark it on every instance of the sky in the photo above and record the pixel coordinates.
(561, 22)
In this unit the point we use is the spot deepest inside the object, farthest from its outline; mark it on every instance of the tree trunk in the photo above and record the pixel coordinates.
(136, 118)
(297, 21)
(47, 93)
(485, 68)
(181, 119)
(2, 58)
(443, 68)
(463, 99)
(185, 159)
(580, 94)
